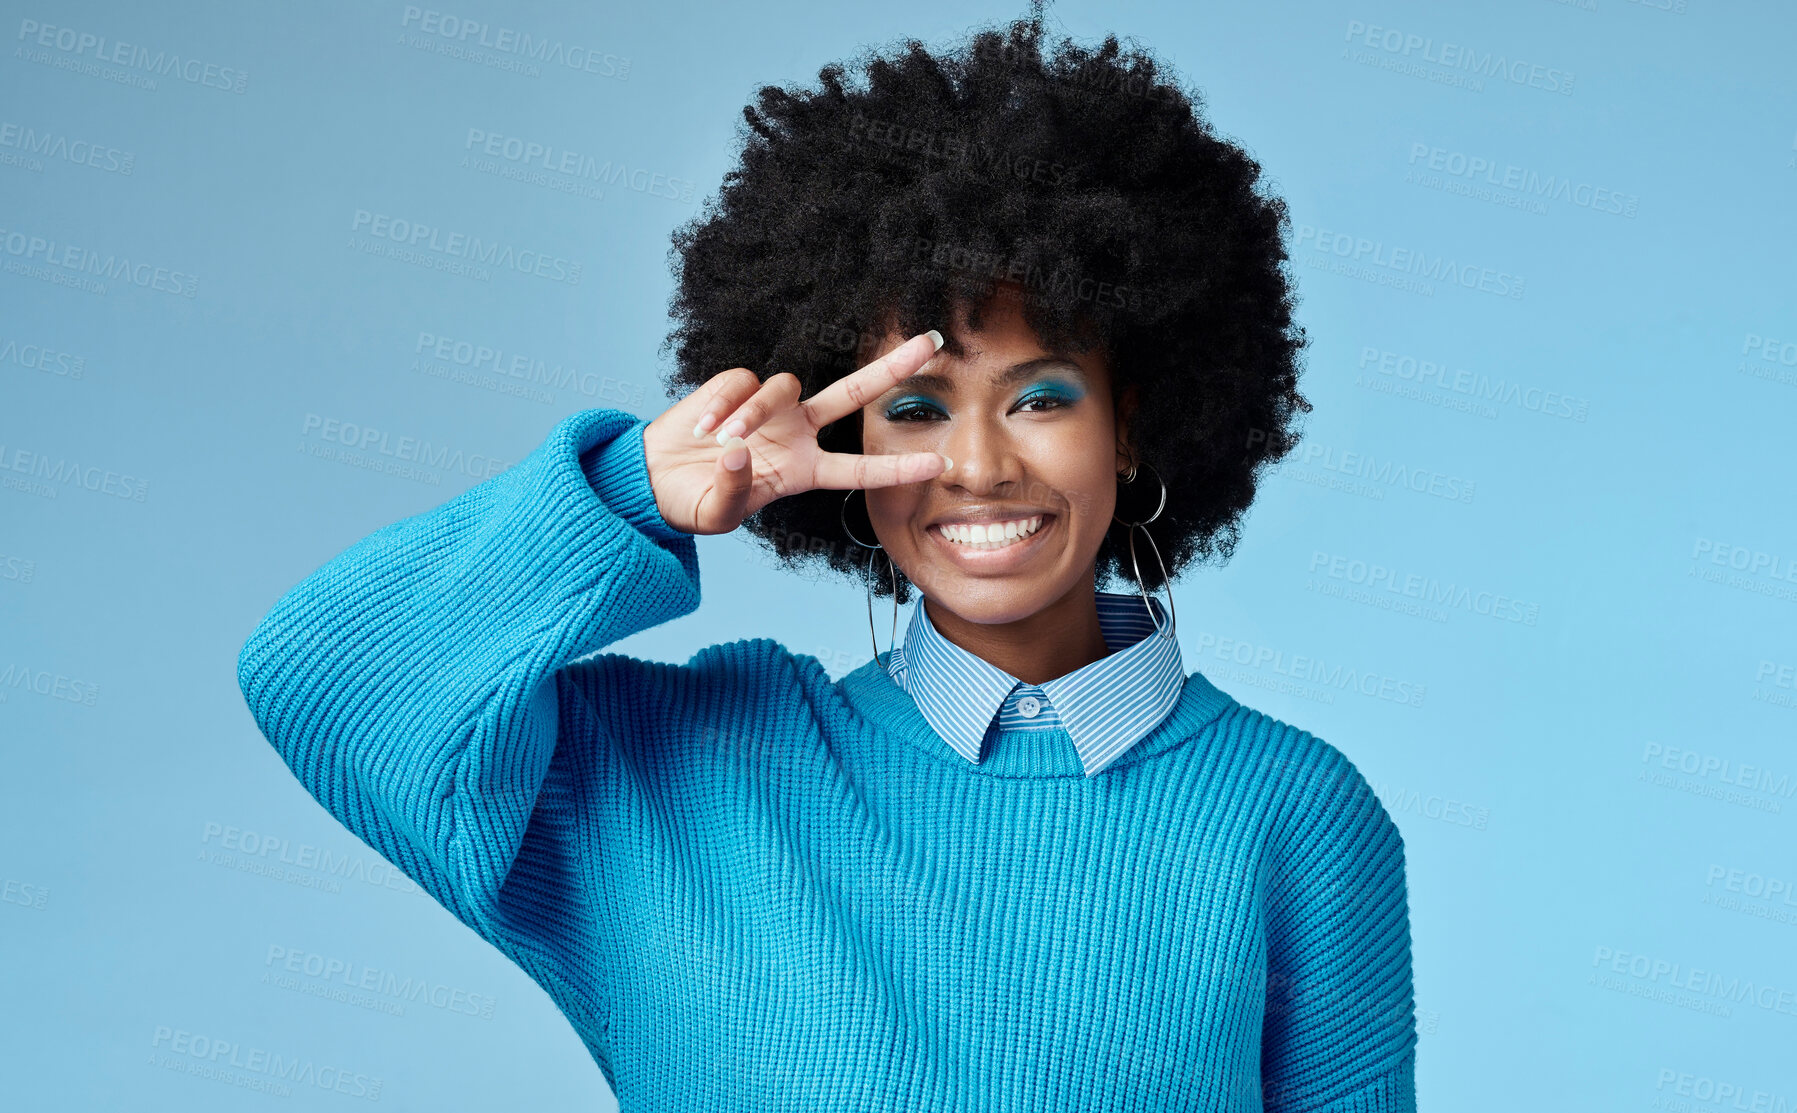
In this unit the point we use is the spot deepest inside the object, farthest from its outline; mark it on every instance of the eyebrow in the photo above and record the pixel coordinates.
(1011, 374)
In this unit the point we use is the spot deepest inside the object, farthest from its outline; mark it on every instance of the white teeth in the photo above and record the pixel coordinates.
(990, 535)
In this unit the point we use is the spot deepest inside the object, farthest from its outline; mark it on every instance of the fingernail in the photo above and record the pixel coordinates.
(735, 429)
(946, 462)
(935, 338)
(731, 447)
(705, 424)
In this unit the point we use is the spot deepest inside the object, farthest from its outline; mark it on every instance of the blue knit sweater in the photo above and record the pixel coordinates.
(750, 887)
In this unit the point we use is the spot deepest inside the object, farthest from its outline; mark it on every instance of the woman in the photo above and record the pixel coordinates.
(1019, 861)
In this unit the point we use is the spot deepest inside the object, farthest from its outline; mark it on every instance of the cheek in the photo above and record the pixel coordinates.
(876, 434)
(889, 508)
(1091, 507)
(1096, 502)
(1078, 477)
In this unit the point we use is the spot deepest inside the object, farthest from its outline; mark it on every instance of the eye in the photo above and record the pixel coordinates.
(1053, 399)
(911, 409)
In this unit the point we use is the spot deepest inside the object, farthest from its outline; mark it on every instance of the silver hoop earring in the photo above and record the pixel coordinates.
(1124, 479)
(892, 571)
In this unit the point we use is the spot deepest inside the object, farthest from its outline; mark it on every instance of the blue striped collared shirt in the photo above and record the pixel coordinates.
(1106, 706)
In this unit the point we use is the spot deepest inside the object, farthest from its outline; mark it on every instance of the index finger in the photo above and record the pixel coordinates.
(856, 389)
(840, 471)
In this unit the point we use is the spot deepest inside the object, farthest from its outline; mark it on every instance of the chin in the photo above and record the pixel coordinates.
(992, 600)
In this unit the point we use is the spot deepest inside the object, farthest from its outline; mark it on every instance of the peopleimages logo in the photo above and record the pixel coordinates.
(1410, 47)
(418, 237)
(1742, 558)
(1766, 357)
(23, 893)
(400, 449)
(281, 859)
(528, 155)
(483, 359)
(33, 146)
(1527, 183)
(45, 469)
(245, 1066)
(1411, 262)
(16, 569)
(356, 983)
(1383, 472)
(1476, 385)
(1334, 675)
(78, 46)
(80, 264)
(1720, 770)
(1708, 990)
(475, 41)
(16, 677)
(1721, 1092)
(1370, 577)
(41, 357)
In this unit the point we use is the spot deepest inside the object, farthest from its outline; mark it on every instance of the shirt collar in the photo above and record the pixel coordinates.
(1106, 706)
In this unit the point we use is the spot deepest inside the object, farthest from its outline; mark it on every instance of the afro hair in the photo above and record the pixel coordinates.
(893, 199)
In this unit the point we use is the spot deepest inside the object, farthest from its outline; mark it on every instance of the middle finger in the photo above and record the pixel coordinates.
(858, 388)
(778, 393)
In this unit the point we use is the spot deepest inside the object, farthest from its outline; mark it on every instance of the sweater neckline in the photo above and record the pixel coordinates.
(893, 717)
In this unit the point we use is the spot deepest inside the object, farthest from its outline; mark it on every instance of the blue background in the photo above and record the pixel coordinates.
(1597, 785)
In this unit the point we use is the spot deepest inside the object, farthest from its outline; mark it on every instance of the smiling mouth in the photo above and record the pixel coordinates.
(991, 536)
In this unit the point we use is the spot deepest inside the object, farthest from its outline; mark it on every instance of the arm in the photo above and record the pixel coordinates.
(1339, 1035)
(414, 682)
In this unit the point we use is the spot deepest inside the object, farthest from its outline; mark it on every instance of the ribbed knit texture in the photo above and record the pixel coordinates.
(752, 888)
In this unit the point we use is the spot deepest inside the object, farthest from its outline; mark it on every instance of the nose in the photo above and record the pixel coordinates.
(984, 454)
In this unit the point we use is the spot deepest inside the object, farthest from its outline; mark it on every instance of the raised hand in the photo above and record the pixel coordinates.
(766, 445)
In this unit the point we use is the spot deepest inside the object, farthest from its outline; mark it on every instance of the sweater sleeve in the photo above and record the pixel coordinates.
(414, 683)
(1339, 1034)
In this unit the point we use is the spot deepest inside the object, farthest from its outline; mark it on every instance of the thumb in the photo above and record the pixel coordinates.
(727, 503)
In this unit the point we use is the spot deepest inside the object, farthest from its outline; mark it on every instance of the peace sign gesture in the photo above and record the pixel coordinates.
(771, 450)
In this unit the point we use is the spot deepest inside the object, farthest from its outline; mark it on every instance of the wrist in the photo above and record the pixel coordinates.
(619, 473)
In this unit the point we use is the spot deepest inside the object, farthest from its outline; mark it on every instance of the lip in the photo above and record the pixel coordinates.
(990, 561)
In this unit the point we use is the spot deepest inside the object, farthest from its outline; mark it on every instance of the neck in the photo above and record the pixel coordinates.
(1050, 643)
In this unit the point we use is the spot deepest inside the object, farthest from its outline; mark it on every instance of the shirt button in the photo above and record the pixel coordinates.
(1028, 706)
